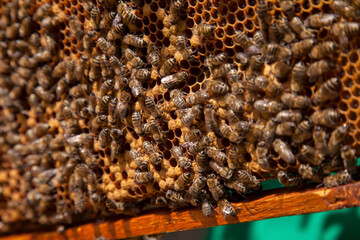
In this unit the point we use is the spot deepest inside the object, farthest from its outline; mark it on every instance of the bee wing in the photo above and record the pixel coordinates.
(182, 112)
(168, 79)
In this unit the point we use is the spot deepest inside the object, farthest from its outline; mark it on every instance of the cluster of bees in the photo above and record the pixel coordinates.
(266, 112)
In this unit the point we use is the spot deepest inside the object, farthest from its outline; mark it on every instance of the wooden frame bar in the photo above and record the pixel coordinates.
(264, 205)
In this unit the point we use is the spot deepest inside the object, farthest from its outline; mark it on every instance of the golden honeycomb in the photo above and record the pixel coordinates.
(84, 104)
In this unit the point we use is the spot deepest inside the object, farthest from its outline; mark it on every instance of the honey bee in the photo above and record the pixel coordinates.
(197, 185)
(175, 7)
(248, 179)
(344, 9)
(75, 28)
(206, 208)
(285, 128)
(294, 101)
(177, 98)
(224, 172)
(166, 68)
(154, 55)
(182, 181)
(241, 39)
(233, 158)
(256, 64)
(111, 111)
(153, 108)
(284, 151)
(238, 186)
(95, 69)
(201, 161)
(348, 155)
(213, 61)
(183, 161)
(288, 8)
(327, 117)
(215, 188)
(217, 155)
(320, 20)
(299, 28)
(182, 47)
(134, 41)
(105, 23)
(309, 172)
(210, 119)
(126, 13)
(275, 52)
(105, 68)
(198, 97)
(92, 102)
(319, 136)
(104, 138)
(289, 180)
(175, 197)
(106, 86)
(263, 15)
(268, 106)
(302, 47)
(136, 121)
(302, 132)
(155, 157)
(261, 153)
(297, 77)
(311, 155)
(217, 87)
(141, 178)
(106, 47)
(142, 74)
(340, 178)
(260, 41)
(204, 142)
(284, 29)
(140, 162)
(190, 114)
(159, 202)
(115, 65)
(42, 11)
(323, 50)
(226, 208)
(319, 68)
(156, 131)
(113, 206)
(99, 121)
(289, 115)
(227, 132)
(193, 135)
(335, 140)
(327, 91)
(102, 106)
(136, 88)
(269, 131)
(78, 104)
(173, 80)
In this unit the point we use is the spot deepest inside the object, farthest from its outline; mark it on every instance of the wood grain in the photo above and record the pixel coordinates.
(268, 204)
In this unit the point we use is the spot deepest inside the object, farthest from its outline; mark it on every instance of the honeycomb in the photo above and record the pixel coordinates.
(112, 107)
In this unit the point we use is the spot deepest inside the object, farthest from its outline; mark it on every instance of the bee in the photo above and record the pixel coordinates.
(294, 101)
(348, 155)
(311, 155)
(289, 115)
(248, 179)
(136, 88)
(268, 106)
(327, 117)
(192, 135)
(113, 206)
(177, 98)
(154, 55)
(238, 186)
(318, 68)
(41, 12)
(269, 131)
(200, 145)
(104, 138)
(288, 8)
(233, 158)
(99, 121)
(105, 68)
(284, 29)
(91, 180)
(308, 172)
(256, 65)
(302, 47)
(142, 74)
(106, 86)
(95, 69)
(115, 65)
(92, 102)
(243, 40)
(217, 155)
(136, 121)
(181, 46)
(335, 140)
(106, 47)
(126, 13)
(166, 68)
(320, 20)
(183, 161)
(156, 131)
(263, 15)
(224, 172)
(197, 185)
(227, 132)
(289, 180)
(210, 119)
(134, 41)
(204, 30)
(173, 80)
(226, 208)
(270, 87)
(284, 151)
(275, 51)
(140, 162)
(40, 129)
(297, 77)
(141, 178)
(215, 188)
(118, 28)
(302, 132)
(261, 153)
(111, 111)
(319, 136)
(106, 22)
(75, 28)
(285, 128)
(182, 181)
(299, 28)
(155, 157)
(213, 61)
(160, 202)
(190, 114)
(322, 50)
(102, 106)
(175, 7)
(274, 33)
(206, 208)
(260, 41)
(198, 97)
(175, 197)
(78, 104)
(201, 161)
(83, 139)
(217, 87)
(153, 108)
(340, 178)
(327, 91)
